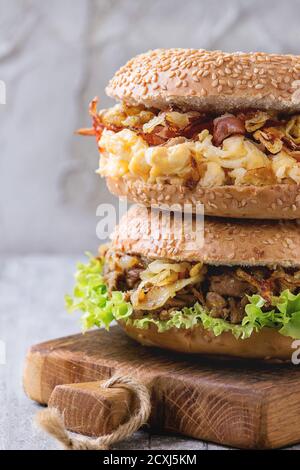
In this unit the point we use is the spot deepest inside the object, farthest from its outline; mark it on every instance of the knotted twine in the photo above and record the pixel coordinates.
(51, 420)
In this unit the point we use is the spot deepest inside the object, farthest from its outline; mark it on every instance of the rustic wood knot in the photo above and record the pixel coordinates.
(52, 421)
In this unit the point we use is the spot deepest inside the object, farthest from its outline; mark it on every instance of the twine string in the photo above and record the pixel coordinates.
(52, 421)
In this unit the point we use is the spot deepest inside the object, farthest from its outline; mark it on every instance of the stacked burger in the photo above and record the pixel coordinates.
(219, 129)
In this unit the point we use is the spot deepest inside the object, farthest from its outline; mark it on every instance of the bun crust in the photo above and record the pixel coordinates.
(266, 344)
(281, 201)
(231, 242)
(209, 80)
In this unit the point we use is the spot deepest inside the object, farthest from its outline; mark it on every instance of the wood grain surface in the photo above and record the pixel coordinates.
(241, 404)
(91, 410)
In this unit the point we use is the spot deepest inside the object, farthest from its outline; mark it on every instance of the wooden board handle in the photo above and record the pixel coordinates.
(90, 409)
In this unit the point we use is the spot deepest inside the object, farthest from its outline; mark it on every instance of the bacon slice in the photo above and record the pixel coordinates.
(98, 126)
(158, 136)
(86, 131)
(194, 128)
(221, 128)
(226, 126)
(163, 133)
(291, 148)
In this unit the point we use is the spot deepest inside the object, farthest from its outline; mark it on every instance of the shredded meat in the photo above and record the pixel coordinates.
(231, 309)
(263, 286)
(285, 280)
(115, 280)
(237, 309)
(175, 303)
(223, 292)
(133, 277)
(216, 305)
(198, 294)
(228, 284)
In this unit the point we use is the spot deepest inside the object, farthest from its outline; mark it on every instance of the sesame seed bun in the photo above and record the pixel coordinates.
(229, 243)
(266, 344)
(212, 81)
(281, 201)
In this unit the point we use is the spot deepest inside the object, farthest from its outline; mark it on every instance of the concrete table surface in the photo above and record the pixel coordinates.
(31, 311)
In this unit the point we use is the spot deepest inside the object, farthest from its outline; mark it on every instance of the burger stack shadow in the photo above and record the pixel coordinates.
(197, 127)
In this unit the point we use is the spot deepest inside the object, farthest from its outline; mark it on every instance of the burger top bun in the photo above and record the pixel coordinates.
(212, 81)
(243, 242)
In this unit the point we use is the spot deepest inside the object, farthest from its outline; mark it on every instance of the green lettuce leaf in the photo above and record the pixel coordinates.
(289, 305)
(193, 316)
(90, 295)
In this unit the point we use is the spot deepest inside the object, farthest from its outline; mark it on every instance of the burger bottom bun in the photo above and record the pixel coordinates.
(267, 344)
(281, 201)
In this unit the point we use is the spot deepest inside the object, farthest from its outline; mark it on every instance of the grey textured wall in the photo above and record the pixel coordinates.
(56, 55)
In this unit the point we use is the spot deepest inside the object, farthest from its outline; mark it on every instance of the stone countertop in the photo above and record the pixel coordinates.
(31, 310)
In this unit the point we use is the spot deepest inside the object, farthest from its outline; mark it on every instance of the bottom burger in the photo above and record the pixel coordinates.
(237, 294)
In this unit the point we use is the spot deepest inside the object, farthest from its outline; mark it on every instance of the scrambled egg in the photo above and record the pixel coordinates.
(237, 161)
(122, 152)
(286, 167)
(169, 161)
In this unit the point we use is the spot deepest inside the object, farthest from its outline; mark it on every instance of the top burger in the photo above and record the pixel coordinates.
(194, 126)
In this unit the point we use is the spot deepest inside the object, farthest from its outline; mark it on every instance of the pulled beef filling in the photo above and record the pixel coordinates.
(223, 291)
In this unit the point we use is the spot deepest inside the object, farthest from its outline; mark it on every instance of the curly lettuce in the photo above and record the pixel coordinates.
(91, 296)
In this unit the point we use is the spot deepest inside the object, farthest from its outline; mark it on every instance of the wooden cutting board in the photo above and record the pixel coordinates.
(236, 403)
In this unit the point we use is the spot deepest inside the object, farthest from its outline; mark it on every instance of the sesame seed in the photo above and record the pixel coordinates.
(142, 74)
